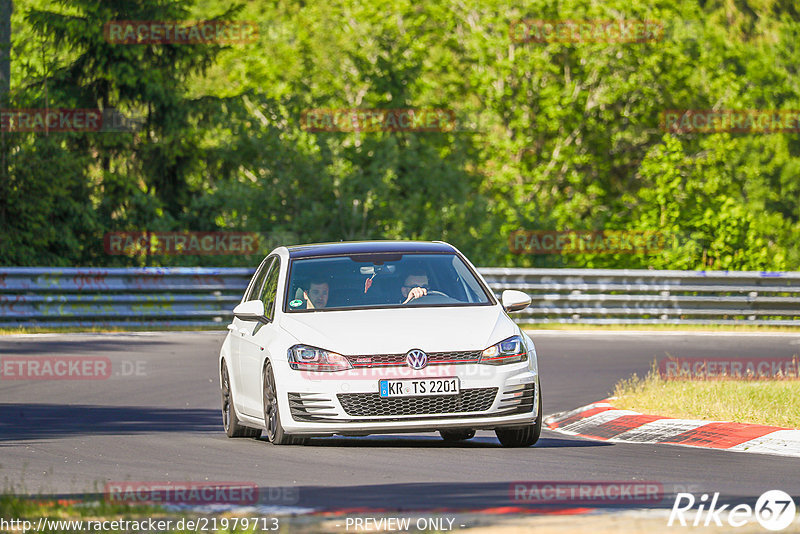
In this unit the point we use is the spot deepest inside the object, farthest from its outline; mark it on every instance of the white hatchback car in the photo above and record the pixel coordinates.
(377, 337)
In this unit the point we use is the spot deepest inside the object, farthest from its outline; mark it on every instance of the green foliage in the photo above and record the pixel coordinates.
(558, 136)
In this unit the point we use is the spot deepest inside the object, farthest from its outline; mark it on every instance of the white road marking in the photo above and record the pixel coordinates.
(663, 429)
(579, 427)
(784, 442)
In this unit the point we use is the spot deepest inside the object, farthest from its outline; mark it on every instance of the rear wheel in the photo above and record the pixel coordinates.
(452, 436)
(521, 436)
(233, 428)
(272, 416)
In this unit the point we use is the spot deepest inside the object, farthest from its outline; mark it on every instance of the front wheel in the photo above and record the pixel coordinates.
(521, 436)
(230, 422)
(272, 416)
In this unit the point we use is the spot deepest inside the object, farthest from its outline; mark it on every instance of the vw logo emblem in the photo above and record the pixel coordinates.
(416, 359)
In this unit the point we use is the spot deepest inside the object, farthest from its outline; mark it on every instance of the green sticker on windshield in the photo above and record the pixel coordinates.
(296, 303)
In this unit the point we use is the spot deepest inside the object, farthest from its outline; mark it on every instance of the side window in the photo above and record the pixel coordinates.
(258, 283)
(270, 290)
(468, 282)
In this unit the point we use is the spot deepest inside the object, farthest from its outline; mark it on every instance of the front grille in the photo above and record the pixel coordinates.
(372, 404)
(434, 358)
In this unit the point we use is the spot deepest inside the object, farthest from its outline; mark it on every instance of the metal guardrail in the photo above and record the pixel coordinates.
(137, 297)
(203, 297)
(641, 296)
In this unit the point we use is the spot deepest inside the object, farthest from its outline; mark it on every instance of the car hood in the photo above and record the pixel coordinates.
(396, 331)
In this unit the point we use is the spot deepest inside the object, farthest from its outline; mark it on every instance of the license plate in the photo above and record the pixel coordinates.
(419, 387)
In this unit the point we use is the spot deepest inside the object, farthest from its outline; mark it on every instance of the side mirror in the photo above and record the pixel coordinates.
(252, 310)
(514, 300)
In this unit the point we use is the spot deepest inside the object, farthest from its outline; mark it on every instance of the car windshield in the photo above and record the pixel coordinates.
(382, 281)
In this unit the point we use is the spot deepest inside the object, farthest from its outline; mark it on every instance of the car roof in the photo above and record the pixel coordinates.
(369, 247)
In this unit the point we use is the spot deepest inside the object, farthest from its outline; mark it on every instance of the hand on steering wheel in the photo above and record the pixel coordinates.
(415, 293)
(419, 292)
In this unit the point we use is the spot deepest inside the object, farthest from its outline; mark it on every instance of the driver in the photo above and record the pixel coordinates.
(317, 295)
(414, 287)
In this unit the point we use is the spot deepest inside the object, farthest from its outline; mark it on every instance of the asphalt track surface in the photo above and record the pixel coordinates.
(157, 418)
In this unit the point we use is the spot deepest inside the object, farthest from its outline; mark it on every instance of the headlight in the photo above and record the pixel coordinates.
(511, 350)
(313, 359)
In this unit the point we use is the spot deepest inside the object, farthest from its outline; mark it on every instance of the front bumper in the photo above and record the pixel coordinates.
(348, 402)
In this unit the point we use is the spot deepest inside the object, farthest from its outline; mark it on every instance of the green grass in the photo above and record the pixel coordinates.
(13, 507)
(33, 508)
(765, 402)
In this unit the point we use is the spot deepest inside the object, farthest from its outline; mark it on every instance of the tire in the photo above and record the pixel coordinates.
(272, 415)
(230, 422)
(453, 436)
(522, 436)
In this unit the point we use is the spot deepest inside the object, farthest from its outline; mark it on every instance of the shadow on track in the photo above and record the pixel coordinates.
(52, 421)
(434, 441)
(466, 497)
(62, 346)
(19, 422)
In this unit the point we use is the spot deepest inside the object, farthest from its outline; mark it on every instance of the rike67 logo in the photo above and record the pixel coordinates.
(774, 510)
